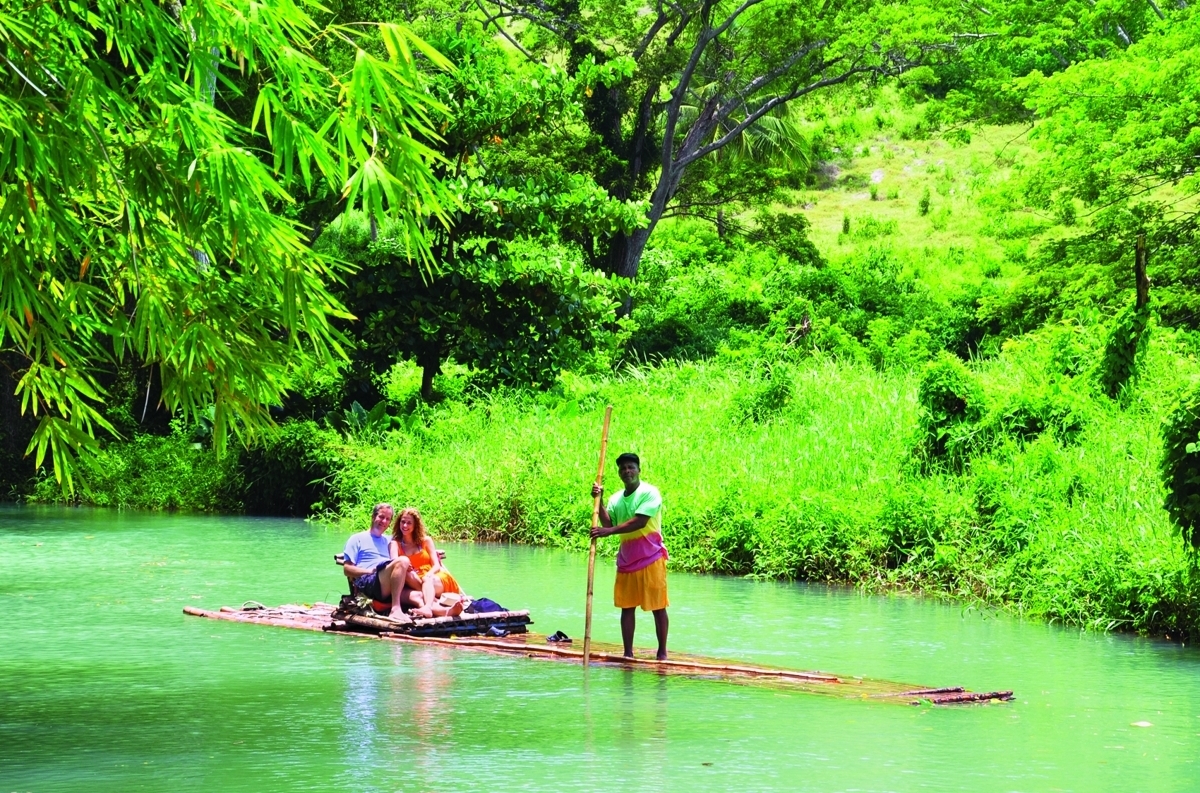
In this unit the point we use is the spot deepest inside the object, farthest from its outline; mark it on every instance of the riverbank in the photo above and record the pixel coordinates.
(1057, 515)
(1064, 524)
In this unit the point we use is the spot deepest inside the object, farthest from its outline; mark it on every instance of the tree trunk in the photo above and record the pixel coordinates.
(430, 361)
(16, 470)
(624, 258)
(721, 230)
(428, 372)
(1139, 273)
(626, 252)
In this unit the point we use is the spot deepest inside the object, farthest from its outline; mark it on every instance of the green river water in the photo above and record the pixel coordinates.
(106, 685)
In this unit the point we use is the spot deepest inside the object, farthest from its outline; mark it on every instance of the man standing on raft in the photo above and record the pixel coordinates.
(636, 515)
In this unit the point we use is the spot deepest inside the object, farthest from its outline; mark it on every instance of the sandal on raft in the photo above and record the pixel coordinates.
(559, 636)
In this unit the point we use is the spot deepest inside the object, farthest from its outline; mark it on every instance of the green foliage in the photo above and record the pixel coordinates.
(788, 233)
(697, 288)
(154, 472)
(314, 388)
(1023, 38)
(1181, 468)
(485, 342)
(870, 227)
(766, 398)
(141, 219)
(510, 291)
(1123, 124)
(519, 310)
(1123, 350)
(361, 424)
(726, 68)
(288, 474)
(291, 473)
(1121, 136)
(951, 403)
(1056, 522)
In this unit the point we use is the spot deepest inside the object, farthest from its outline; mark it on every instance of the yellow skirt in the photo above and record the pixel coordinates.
(646, 588)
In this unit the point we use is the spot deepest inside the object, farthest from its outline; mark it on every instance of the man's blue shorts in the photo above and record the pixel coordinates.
(370, 585)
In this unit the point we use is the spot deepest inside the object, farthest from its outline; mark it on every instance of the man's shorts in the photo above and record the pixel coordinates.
(646, 588)
(370, 585)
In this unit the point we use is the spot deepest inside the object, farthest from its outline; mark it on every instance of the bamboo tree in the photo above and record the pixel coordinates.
(139, 220)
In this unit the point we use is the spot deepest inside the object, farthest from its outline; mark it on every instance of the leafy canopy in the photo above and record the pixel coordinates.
(509, 292)
(138, 220)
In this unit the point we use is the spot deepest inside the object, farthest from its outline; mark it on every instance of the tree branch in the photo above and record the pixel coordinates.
(648, 39)
(767, 107)
(493, 20)
(685, 76)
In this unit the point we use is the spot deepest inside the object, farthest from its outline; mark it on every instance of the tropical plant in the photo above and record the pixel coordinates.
(1121, 135)
(141, 221)
(518, 310)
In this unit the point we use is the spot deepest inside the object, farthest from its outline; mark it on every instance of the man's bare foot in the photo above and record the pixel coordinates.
(422, 613)
(661, 656)
(455, 610)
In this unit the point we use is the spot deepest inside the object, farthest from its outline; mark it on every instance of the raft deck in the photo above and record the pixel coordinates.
(463, 632)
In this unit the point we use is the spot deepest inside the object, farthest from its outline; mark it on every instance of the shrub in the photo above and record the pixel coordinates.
(155, 472)
(1124, 348)
(870, 227)
(787, 233)
(1032, 410)
(940, 219)
(314, 390)
(951, 403)
(764, 400)
(1181, 468)
(916, 521)
(290, 473)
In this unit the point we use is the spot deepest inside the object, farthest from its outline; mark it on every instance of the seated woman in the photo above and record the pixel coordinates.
(427, 573)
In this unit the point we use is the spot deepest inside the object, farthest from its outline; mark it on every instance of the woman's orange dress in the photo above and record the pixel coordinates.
(422, 564)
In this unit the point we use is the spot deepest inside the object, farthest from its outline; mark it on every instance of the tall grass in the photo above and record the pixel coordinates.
(1064, 526)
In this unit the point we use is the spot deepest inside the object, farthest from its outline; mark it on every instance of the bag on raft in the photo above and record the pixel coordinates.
(484, 606)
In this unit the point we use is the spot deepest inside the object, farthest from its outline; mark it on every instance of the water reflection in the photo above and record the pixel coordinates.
(418, 708)
(641, 722)
(360, 730)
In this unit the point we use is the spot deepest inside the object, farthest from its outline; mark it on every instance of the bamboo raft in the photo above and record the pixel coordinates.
(463, 632)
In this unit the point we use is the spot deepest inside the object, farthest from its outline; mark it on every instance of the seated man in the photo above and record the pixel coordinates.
(371, 569)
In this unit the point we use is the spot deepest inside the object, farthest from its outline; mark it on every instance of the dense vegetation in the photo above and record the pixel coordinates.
(906, 300)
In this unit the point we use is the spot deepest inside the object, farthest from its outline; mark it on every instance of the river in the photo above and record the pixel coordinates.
(106, 685)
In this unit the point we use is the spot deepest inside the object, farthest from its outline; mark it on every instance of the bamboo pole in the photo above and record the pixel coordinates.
(587, 618)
